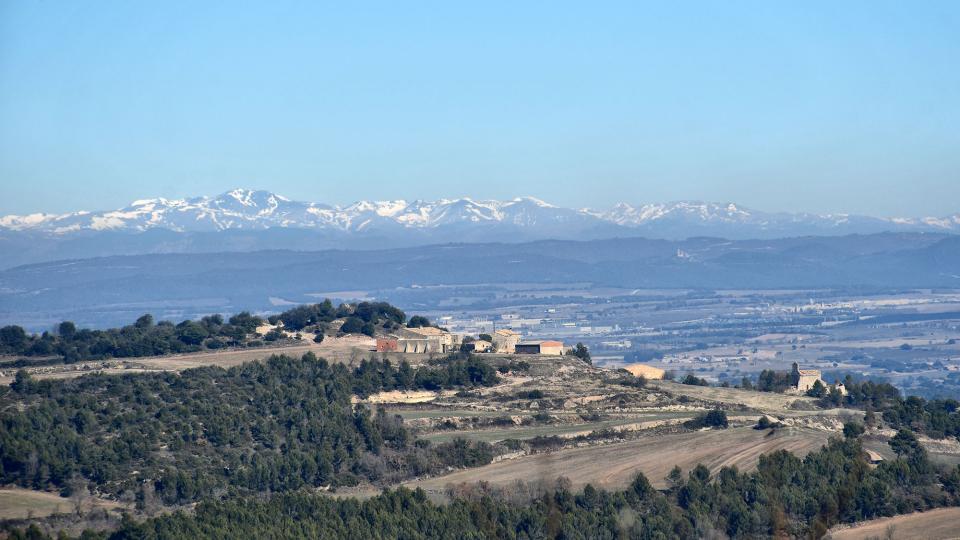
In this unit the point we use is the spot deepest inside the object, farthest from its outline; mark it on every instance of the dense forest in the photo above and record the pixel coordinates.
(785, 497)
(266, 426)
(145, 337)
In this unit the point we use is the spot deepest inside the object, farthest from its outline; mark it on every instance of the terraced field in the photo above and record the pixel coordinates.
(561, 430)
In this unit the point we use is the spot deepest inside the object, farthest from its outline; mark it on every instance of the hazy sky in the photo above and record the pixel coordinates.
(815, 106)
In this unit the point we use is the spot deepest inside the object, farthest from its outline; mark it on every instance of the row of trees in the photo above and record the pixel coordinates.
(142, 338)
(145, 337)
(274, 426)
(457, 370)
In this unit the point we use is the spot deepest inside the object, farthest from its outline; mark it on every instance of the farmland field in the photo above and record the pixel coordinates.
(612, 466)
(939, 524)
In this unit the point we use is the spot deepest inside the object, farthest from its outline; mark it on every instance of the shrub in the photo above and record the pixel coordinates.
(714, 418)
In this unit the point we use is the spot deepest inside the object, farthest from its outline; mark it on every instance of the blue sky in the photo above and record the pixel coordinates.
(813, 106)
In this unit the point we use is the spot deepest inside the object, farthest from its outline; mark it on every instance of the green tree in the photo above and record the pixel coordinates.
(905, 443)
(67, 330)
(817, 390)
(418, 321)
(352, 325)
(144, 322)
(192, 333)
(13, 338)
(852, 430)
(582, 352)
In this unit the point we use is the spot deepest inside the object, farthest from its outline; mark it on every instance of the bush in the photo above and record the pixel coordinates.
(543, 417)
(273, 335)
(714, 418)
(693, 380)
(766, 423)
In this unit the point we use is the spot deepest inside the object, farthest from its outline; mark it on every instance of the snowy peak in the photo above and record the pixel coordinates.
(246, 209)
(625, 214)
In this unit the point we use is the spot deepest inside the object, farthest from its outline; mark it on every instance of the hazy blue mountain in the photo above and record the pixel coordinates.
(246, 220)
(112, 290)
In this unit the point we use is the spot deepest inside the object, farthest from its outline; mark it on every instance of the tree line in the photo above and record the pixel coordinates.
(146, 337)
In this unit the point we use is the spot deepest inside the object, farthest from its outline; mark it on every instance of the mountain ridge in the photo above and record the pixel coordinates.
(246, 209)
(114, 289)
(245, 220)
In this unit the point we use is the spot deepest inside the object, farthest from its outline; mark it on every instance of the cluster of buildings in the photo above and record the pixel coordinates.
(425, 339)
(429, 339)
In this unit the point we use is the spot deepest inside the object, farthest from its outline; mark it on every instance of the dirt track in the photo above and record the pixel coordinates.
(613, 466)
(939, 524)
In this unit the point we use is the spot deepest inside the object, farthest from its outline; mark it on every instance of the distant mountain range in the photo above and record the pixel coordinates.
(114, 290)
(245, 220)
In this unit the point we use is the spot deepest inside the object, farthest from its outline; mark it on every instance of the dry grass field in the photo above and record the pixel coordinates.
(762, 401)
(344, 349)
(939, 524)
(613, 466)
(16, 503)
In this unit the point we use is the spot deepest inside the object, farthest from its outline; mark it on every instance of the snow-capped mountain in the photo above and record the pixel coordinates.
(256, 210)
(244, 209)
(248, 220)
(733, 221)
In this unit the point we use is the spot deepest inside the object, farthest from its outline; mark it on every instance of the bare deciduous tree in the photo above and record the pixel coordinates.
(79, 494)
